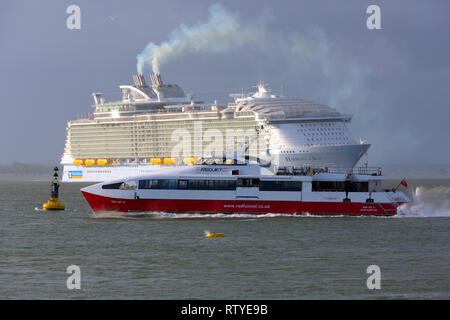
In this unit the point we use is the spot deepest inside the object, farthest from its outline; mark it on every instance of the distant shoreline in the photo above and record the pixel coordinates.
(26, 177)
(20, 168)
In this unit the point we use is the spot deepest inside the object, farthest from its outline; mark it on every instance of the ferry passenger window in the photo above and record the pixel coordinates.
(112, 185)
(281, 186)
(182, 184)
(337, 186)
(172, 184)
(203, 185)
(228, 185)
(163, 184)
(224, 185)
(358, 187)
(365, 186)
(144, 184)
(148, 184)
(247, 183)
(218, 185)
(193, 185)
(154, 184)
(326, 186)
(130, 185)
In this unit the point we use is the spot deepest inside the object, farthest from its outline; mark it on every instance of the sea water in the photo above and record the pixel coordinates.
(167, 256)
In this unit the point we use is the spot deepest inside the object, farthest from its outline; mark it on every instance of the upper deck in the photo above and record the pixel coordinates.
(141, 102)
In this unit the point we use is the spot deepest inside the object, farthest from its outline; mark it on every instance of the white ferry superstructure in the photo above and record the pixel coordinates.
(135, 135)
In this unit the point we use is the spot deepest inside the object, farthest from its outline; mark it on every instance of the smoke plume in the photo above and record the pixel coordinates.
(222, 32)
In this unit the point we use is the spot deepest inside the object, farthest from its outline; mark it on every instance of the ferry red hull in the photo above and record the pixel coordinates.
(101, 203)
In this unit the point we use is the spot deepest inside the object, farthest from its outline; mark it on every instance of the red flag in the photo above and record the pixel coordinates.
(403, 183)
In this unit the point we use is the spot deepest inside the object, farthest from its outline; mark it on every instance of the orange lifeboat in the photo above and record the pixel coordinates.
(189, 160)
(155, 161)
(102, 162)
(90, 162)
(170, 161)
(78, 162)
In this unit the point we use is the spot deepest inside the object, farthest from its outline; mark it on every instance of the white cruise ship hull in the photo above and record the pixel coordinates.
(345, 156)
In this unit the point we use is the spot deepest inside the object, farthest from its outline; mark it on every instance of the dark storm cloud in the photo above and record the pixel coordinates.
(395, 80)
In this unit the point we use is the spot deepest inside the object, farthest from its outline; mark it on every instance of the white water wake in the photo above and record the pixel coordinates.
(427, 202)
(199, 215)
(173, 215)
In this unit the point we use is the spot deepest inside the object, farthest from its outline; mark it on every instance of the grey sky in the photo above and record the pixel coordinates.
(396, 81)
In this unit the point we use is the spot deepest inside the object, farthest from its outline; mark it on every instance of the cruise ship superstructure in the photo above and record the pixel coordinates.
(159, 125)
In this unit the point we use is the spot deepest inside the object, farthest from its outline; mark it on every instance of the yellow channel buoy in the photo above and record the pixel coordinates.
(53, 203)
(213, 235)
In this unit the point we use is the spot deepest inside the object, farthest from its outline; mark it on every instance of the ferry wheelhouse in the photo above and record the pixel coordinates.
(248, 188)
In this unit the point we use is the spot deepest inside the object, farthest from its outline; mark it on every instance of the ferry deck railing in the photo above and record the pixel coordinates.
(373, 171)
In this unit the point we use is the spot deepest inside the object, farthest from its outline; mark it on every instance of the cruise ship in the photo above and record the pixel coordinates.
(158, 125)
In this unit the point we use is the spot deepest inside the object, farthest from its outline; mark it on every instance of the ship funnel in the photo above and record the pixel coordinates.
(156, 80)
(98, 98)
(139, 81)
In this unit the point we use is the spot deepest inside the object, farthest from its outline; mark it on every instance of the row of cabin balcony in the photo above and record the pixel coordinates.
(112, 117)
(145, 131)
(161, 140)
(163, 125)
(160, 107)
(114, 148)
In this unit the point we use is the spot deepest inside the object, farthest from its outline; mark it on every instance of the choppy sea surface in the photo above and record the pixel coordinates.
(164, 256)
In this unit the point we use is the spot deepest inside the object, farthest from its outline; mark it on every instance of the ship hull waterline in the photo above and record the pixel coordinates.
(100, 203)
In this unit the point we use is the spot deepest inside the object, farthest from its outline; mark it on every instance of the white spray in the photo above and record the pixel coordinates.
(427, 202)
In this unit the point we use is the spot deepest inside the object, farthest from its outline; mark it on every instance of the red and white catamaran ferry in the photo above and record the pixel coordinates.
(248, 188)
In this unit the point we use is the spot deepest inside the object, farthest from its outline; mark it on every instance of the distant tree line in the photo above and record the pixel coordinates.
(18, 168)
